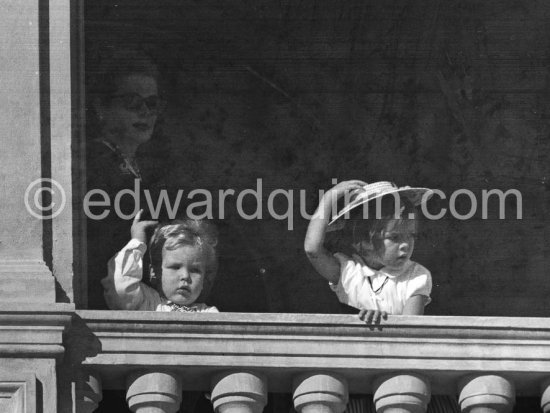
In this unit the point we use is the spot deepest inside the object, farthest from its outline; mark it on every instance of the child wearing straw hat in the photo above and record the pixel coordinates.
(377, 276)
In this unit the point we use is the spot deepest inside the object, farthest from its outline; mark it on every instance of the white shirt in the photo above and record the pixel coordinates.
(124, 290)
(390, 290)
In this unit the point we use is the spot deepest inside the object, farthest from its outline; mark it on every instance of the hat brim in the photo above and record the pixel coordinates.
(415, 195)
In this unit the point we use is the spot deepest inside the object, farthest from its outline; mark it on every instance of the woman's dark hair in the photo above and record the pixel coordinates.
(105, 76)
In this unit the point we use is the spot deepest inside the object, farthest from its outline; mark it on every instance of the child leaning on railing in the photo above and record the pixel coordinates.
(183, 267)
(376, 275)
(372, 270)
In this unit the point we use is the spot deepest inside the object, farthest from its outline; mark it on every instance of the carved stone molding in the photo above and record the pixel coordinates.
(28, 331)
(545, 396)
(282, 346)
(26, 281)
(239, 392)
(17, 393)
(402, 392)
(320, 393)
(154, 392)
(88, 391)
(486, 394)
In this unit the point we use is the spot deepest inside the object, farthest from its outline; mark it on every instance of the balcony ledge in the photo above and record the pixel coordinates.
(33, 330)
(281, 346)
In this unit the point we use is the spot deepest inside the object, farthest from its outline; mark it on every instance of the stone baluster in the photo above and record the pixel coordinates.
(154, 392)
(239, 392)
(545, 396)
(88, 392)
(402, 393)
(486, 394)
(320, 393)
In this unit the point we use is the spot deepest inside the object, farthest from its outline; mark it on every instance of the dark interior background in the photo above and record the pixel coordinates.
(442, 94)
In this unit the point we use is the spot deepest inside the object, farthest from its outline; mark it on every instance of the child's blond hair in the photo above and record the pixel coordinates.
(186, 232)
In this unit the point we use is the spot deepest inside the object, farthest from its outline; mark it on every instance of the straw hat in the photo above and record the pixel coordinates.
(379, 189)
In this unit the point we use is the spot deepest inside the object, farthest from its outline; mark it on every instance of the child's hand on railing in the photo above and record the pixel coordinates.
(372, 317)
(139, 228)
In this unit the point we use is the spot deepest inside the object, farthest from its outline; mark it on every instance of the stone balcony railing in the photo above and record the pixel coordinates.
(55, 359)
(320, 359)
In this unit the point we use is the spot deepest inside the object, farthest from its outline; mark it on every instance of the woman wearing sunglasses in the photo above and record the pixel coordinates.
(122, 154)
(126, 104)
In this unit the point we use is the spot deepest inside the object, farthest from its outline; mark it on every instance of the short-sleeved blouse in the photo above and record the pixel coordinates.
(387, 290)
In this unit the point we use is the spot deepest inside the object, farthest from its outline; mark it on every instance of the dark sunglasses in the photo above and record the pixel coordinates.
(134, 102)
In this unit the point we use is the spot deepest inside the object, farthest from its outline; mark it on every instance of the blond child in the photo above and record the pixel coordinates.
(183, 267)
